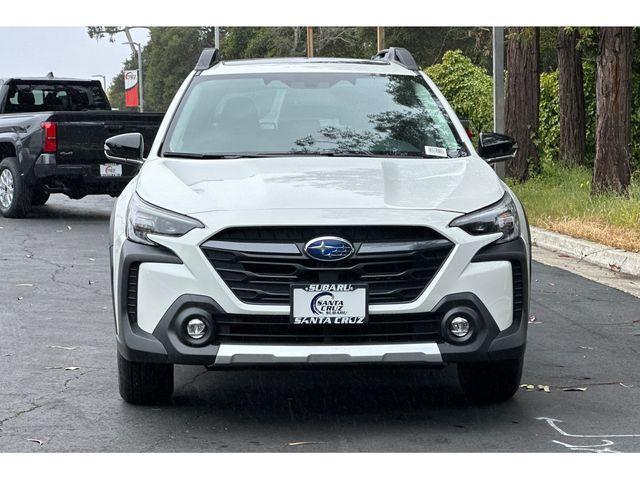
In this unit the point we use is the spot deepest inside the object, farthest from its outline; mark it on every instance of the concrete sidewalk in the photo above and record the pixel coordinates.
(606, 265)
(602, 255)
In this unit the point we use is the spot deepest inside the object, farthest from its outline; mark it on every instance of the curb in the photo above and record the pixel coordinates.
(601, 255)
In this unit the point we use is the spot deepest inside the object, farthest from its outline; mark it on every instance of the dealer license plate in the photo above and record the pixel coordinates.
(110, 170)
(329, 304)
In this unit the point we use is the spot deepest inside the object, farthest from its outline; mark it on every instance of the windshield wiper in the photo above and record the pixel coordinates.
(337, 153)
(201, 156)
(207, 156)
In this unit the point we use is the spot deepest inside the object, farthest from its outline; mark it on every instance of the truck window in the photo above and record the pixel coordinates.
(55, 97)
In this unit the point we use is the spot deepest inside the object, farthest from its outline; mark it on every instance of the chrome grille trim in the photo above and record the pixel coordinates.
(250, 247)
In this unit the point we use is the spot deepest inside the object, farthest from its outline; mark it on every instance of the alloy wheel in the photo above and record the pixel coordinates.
(6, 188)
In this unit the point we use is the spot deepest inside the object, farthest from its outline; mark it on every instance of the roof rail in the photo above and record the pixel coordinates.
(208, 58)
(397, 55)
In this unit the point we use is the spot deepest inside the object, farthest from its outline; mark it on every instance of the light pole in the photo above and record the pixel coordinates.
(104, 80)
(380, 38)
(309, 42)
(498, 88)
(138, 48)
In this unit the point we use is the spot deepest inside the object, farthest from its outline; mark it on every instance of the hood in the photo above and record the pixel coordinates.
(197, 186)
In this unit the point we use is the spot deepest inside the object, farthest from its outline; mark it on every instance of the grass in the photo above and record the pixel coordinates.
(560, 200)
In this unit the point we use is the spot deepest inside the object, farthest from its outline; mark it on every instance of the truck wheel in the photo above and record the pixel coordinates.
(15, 199)
(490, 382)
(145, 383)
(39, 196)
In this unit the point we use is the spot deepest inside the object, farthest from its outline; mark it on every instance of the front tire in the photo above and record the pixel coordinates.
(15, 199)
(145, 383)
(490, 382)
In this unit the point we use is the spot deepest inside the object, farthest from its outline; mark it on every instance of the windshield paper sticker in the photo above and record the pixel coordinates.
(436, 151)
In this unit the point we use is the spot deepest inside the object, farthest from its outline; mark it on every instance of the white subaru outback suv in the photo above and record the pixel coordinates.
(313, 212)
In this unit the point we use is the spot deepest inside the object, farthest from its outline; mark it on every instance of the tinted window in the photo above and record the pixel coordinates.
(56, 97)
(311, 113)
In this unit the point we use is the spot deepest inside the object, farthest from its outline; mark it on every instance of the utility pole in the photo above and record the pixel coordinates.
(137, 48)
(380, 38)
(498, 88)
(309, 41)
(216, 36)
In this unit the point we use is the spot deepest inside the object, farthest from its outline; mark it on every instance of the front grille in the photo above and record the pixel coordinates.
(396, 262)
(132, 292)
(277, 329)
(302, 234)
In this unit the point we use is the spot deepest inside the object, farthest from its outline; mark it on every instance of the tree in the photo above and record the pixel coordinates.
(467, 87)
(613, 104)
(170, 55)
(428, 44)
(523, 98)
(571, 92)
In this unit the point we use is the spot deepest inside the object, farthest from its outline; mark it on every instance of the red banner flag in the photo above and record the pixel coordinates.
(131, 95)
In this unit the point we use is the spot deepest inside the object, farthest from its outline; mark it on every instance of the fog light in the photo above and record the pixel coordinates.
(459, 327)
(196, 328)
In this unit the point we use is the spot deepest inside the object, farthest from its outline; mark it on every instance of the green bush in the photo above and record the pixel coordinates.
(549, 132)
(467, 87)
(635, 124)
(589, 68)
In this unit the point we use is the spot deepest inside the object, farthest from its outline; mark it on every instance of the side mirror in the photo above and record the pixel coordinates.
(495, 147)
(127, 149)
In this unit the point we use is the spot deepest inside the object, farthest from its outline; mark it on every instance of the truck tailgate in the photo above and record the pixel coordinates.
(81, 135)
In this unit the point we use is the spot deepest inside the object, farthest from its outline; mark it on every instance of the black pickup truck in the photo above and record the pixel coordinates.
(52, 132)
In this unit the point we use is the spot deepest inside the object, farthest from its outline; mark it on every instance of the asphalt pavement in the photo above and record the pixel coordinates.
(58, 376)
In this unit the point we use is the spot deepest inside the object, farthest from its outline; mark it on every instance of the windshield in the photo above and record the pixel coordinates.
(55, 97)
(311, 113)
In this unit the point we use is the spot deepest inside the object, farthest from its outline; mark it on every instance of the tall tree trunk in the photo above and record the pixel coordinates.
(571, 90)
(523, 99)
(612, 169)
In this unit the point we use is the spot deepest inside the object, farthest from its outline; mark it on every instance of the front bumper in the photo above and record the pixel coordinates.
(161, 341)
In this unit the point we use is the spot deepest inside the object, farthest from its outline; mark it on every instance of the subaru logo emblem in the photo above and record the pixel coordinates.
(328, 249)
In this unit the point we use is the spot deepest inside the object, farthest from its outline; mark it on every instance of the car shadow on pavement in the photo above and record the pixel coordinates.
(313, 393)
(68, 213)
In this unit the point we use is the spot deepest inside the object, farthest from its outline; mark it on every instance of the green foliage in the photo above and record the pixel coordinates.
(428, 44)
(168, 58)
(172, 52)
(589, 71)
(549, 133)
(560, 199)
(548, 49)
(467, 87)
(635, 103)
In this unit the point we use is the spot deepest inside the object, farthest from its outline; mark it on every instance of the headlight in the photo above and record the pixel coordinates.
(501, 217)
(144, 218)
